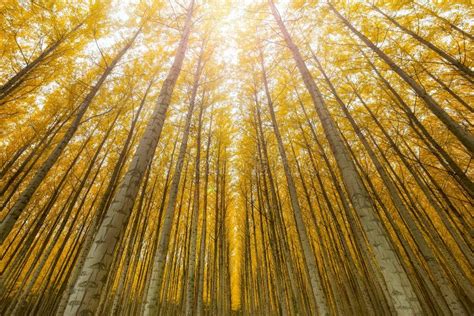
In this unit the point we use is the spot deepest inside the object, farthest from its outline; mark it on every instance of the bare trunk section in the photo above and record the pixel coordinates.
(403, 297)
(309, 256)
(190, 286)
(153, 295)
(203, 252)
(86, 292)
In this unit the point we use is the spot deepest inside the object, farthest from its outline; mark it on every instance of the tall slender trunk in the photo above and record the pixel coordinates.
(441, 83)
(402, 296)
(454, 27)
(446, 288)
(14, 82)
(309, 256)
(153, 295)
(459, 276)
(443, 157)
(190, 286)
(373, 272)
(112, 183)
(271, 220)
(202, 251)
(274, 211)
(14, 158)
(30, 161)
(15, 264)
(86, 292)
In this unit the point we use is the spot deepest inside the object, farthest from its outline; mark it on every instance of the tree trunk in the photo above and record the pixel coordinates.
(202, 250)
(454, 27)
(100, 211)
(402, 296)
(86, 292)
(190, 287)
(14, 82)
(309, 256)
(153, 295)
(446, 289)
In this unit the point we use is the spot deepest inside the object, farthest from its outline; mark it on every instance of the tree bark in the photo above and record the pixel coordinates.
(153, 295)
(309, 256)
(446, 289)
(86, 291)
(190, 287)
(402, 296)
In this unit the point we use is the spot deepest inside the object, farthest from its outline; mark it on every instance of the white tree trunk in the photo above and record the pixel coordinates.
(403, 297)
(309, 256)
(153, 295)
(85, 295)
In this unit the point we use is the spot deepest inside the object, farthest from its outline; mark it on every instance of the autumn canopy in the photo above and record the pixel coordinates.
(219, 157)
